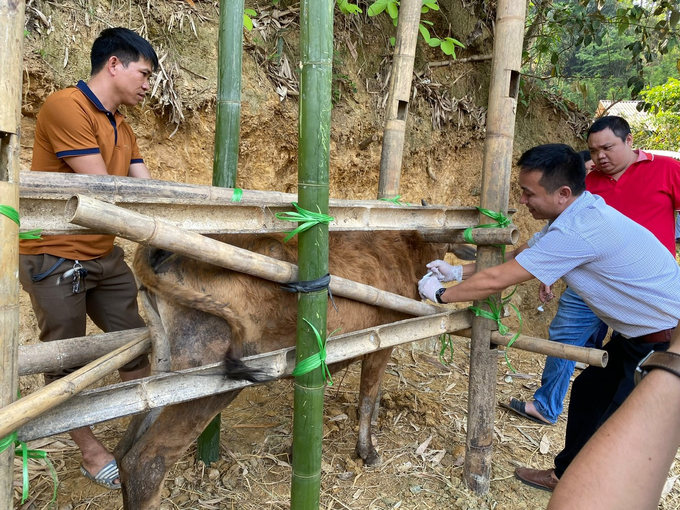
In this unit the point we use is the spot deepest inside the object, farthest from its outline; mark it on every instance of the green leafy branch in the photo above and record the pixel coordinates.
(447, 44)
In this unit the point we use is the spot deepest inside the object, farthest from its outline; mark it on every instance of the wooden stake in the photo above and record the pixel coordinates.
(497, 166)
(11, 55)
(400, 94)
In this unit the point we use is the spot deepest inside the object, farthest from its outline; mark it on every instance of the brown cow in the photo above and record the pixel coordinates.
(210, 313)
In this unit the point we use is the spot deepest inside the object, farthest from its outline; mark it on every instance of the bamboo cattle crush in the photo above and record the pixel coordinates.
(102, 404)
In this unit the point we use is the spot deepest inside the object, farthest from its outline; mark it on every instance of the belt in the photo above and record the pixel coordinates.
(657, 337)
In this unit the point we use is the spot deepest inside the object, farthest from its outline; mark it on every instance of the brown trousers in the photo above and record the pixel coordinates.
(108, 294)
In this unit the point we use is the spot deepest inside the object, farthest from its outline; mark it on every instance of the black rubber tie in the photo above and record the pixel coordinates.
(311, 286)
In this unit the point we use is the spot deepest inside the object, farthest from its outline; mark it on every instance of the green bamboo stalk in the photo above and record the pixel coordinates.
(225, 163)
(316, 48)
(227, 124)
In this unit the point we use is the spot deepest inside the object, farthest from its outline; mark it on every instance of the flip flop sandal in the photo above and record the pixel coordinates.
(519, 407)
(106, 475)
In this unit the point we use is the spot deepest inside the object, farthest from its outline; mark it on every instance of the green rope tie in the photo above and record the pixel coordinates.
(496, 309)
(447, 344)
(238, 195)
(13, 215)
(315, 360)
(306, 219)
(502, 221)
(396, 200)
(26, 454)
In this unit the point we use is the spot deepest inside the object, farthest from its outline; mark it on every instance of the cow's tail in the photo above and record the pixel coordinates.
(184, 295)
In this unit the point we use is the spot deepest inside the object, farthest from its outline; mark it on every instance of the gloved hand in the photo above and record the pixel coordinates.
(427, 286)
(445, 272)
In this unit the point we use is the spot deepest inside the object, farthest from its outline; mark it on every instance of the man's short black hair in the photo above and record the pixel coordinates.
(122, 43)
(585, 155)
(618, 125)
(560, 164)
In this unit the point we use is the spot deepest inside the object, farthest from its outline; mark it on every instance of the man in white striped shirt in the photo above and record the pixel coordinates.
(620, 269)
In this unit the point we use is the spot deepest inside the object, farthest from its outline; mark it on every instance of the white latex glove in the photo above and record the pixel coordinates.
(428, 286)
(445, 272)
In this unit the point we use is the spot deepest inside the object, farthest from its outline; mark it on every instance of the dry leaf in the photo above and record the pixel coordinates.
(421, 449)
(544, 447)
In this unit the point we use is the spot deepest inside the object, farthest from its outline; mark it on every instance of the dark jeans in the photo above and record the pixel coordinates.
(598, 392)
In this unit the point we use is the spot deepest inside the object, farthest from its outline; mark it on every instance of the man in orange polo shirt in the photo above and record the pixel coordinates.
(68, 277)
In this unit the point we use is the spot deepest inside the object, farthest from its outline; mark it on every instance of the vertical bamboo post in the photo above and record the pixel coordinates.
(225, 164)
(316, 55)
(228, 121)
(11, 54)
(397, 103)
(497, 166)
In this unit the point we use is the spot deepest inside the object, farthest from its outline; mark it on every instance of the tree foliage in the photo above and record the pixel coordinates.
(662, 130)
(599, 49)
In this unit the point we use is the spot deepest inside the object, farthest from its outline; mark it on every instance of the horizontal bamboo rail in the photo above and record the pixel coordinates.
(595, 357)
(207, 209)
(37, 403)
(142, 395)
(73, 352)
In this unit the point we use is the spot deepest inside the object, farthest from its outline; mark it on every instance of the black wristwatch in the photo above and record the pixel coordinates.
(438, 295)
(668, 361)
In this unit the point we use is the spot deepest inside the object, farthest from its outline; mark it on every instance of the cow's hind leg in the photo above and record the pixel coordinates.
(372, 370)
(144, 467)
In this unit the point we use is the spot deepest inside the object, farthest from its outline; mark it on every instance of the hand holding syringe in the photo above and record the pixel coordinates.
(545, 295)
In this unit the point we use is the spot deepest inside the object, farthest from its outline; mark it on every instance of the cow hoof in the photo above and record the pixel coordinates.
(371, 457)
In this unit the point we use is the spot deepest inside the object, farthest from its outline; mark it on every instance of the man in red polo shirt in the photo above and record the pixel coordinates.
(68, 277)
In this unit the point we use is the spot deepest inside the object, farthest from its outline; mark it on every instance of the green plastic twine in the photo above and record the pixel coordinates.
(26, 454)
(315, 360)
(502, 221)
(306, 219)
(447, 344)
(396, 200)
(13, 215)
(494, 314)
(238, 195)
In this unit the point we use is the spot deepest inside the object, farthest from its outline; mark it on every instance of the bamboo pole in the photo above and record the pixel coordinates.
(228, 114)
(314, 137)
(28, 408)
(595, 357)
(209, 209)
(73, 352)
(480, 236)
(225, 164)
(497, 166)
(399, 95)
(11, 54)
(142, 229)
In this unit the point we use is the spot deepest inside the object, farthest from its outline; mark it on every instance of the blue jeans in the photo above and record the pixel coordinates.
(574, 324)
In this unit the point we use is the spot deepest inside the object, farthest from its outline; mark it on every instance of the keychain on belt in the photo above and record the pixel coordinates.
(78, 272)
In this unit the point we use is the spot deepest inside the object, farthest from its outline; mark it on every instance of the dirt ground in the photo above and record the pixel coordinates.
(420, 430)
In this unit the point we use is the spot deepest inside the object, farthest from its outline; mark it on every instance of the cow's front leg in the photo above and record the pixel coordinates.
(143, 468)
(372, 370)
